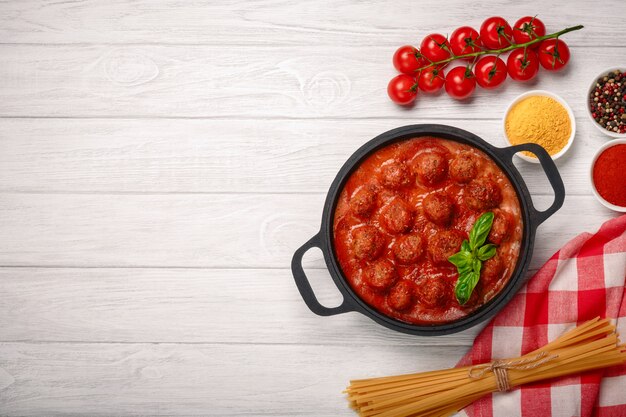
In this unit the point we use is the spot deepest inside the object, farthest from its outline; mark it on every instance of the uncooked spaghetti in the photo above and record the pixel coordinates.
(592, 345)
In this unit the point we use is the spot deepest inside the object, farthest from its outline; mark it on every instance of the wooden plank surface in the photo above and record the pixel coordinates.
(261, 22)
(237, 82)
(161, 161)
(183, 305)
(214, 230)
(200, 379)
(176, 156)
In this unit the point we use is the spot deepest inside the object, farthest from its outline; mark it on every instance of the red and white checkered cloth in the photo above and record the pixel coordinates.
(584, 279)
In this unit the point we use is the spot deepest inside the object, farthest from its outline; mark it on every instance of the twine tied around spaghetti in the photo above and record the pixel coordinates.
(499, 368)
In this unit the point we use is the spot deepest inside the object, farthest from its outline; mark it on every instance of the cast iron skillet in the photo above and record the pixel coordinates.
(530, 216)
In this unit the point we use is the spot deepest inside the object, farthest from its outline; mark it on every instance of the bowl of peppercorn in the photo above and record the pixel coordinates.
(606, 101)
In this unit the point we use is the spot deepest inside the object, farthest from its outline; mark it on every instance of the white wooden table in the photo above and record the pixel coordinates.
(161, 161)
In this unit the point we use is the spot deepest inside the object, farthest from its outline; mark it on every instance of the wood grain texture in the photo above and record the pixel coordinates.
(257, 23)
(204, 379)
(241, 82)
(187, 156)
(183, 306)
(217, 230)
(161, 161)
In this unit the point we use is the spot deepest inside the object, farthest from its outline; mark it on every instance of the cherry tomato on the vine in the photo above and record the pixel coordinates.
(431, 80)
(465, 40)
(553, 54)
(522, 64)
(460, 83)
(490, 71)
(407, 59)
(402, 90)
(496, 33)
(435, 47)
(528, 28)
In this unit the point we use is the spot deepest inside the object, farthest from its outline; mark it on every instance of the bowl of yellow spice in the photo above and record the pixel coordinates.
(543, 118)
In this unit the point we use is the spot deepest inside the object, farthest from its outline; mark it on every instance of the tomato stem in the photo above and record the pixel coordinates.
(502, 50)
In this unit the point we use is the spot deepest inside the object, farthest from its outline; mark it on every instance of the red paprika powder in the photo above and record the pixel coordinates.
(609, 175)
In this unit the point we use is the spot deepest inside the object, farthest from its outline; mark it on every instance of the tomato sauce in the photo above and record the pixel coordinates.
(405, 210)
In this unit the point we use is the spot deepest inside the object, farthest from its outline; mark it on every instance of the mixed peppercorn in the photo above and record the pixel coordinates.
(607, 102)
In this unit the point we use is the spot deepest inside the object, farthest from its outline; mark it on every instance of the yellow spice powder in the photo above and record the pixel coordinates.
(541, 120)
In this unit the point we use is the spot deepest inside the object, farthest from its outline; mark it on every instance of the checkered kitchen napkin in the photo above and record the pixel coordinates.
(583, 280)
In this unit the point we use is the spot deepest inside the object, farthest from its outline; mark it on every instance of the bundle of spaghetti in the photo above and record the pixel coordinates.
(592, 345)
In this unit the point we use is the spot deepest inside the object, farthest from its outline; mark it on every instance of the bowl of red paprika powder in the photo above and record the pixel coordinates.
(608, 180)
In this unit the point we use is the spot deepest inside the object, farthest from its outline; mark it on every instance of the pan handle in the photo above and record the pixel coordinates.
(305, 287)
(549, 168)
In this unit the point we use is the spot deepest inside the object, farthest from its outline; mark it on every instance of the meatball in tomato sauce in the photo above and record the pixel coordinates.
(463, 168)
(367, 242)
(363, 201)
(401, 296)
(432, 292)
(438, 208)
(395, 175)
(443, 245)
(483, 194)
(431, 167)
(380, 275)
(397, 216)
(408, 249)
(501, 226)
(491, 270)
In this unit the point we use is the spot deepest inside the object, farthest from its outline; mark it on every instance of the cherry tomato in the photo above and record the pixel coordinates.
(522, 64)
(490, 71)
(401, 89)
(496, 33)
(465, 40)
(460, 83)
(431, 80)
(553, 54)
(435, 47)
(407, 59)
(528, 28)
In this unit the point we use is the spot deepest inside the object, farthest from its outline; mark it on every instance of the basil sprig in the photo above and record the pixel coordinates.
(469, 259)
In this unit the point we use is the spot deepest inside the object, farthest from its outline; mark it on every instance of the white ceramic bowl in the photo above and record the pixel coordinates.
(545, 94)
(590, 89)
(593, 186)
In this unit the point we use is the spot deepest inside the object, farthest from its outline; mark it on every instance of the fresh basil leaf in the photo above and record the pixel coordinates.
(461, 259)
(486, 252)
(465, 285)
(480, 231)
(468, 260)
(476, 264)
(464, 270)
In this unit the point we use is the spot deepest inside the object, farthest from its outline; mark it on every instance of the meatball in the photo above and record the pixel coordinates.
(408, 249)
(483, 194)
(500, 227)
(438, 208)
(395, 175)
(380, 275)
(431, 168)
(397, 217)
(367, 242)
(363, 201)
(476, 297)
(432, 292)
(491, 270)
(463, 168)
(401, 296)
(443, 245)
